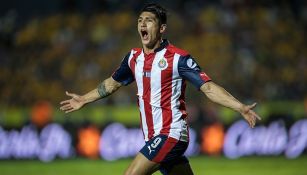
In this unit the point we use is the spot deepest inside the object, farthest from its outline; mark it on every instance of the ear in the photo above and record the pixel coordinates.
(163, 28)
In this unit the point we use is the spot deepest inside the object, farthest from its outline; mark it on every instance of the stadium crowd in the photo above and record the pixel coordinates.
(256, 51)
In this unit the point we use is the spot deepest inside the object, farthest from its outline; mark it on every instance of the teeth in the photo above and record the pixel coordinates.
(144, 33)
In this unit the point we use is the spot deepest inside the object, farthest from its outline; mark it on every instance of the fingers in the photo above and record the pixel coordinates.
(251, 121)
(252, 118)
(66, 107)
(71, 110)
(257, 116)
(70, 94)
(65, 102)
(252, 106)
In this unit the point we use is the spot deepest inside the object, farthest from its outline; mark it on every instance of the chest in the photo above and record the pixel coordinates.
(155, 67)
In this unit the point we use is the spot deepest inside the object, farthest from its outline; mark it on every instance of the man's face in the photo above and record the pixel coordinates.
(149, 29)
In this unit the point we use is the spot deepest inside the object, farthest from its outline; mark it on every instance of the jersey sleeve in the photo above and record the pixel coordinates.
(123, 74)
(189, 70)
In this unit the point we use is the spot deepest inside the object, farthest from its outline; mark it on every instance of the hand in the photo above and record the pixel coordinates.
(249, 115)
(73, 104)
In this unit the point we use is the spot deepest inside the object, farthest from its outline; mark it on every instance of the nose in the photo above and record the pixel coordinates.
(143, 23)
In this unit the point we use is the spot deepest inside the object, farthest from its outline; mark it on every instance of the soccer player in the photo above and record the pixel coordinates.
(160, 71)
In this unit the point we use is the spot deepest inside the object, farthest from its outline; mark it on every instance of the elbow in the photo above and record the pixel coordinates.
(211, 90)
(111, 85)
(207, 87)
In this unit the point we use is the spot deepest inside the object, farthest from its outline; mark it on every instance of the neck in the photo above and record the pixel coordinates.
(151, 49)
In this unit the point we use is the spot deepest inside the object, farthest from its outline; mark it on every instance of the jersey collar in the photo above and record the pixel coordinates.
(163, 44)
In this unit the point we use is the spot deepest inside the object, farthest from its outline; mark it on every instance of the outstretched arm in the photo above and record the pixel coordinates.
(219, 95)
(104, 89)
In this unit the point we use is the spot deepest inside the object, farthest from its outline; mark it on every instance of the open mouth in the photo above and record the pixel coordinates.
(144, 34)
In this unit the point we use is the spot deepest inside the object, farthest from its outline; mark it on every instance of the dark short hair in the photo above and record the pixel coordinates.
(156, 9)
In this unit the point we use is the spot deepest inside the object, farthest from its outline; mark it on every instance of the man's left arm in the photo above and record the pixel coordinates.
(219, 95)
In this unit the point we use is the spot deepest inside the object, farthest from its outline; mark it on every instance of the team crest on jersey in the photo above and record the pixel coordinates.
(163, 64)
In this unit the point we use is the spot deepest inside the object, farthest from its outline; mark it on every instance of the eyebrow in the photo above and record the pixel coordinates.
(147, 18)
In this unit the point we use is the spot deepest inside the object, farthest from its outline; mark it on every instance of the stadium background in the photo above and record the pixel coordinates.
(255, 49)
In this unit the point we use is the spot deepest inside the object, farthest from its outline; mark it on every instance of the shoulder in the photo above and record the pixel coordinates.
(136, 51)
(175, 50)
(133, 53)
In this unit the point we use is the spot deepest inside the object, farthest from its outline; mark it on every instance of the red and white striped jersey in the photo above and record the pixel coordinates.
(161, 82)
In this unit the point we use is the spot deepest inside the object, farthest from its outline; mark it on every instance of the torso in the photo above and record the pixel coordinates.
(160, 92)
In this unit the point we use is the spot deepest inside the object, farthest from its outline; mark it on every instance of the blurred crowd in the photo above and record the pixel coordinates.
(256, 51)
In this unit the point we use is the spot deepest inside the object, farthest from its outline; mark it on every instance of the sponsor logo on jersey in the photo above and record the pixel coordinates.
(146, 74)
(191, 63)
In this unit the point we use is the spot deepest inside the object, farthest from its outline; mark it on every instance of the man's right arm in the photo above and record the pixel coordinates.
(107, 87)
(104, 89)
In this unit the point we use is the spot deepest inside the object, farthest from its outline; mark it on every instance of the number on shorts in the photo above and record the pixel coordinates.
(156, 142)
